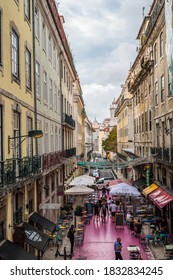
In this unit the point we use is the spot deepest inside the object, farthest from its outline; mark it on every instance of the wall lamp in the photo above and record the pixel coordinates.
(32, 133)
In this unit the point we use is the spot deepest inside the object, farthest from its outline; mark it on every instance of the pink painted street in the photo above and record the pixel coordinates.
(99, 241)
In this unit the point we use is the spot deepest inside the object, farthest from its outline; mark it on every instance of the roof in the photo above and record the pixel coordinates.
(42, 221)
(35, 237)
(11, 251)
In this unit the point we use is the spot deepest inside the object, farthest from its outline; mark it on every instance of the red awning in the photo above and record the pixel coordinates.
(162, 199)
(154, 194)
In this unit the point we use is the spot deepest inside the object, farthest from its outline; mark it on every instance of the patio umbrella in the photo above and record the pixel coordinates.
(84, 180)
(124, 189)
(79, 190)
(114, 183)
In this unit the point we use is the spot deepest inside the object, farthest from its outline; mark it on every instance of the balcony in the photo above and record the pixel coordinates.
(14, 169)
(68, 121)
(50, 160)
(69, 153)
(165, 155)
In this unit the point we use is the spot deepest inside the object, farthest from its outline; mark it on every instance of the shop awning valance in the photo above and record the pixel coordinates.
(11, 251)
(155, 193)
(149, 189)
(42, 221)
(162, 199)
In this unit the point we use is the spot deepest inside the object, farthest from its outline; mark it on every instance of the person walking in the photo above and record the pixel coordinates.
(104, 211)
(96, 211)
(117, 249)
(70, 235)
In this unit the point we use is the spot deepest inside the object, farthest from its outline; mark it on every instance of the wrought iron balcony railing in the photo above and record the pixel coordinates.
(69, 153)
(165, 155)
(68, 121)
(14, 169)
(50, 160)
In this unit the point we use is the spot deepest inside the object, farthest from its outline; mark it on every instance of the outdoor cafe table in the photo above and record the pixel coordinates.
(133, 249)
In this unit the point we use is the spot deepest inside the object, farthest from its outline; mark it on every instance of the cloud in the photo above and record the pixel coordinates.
(102, 36)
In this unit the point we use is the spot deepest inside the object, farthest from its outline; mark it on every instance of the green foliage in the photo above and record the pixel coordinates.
(110, 143)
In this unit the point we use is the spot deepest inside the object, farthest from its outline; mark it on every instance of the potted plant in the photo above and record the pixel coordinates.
(78, 210)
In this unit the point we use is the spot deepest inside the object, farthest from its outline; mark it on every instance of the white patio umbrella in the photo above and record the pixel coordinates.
(79, 190)
(84, 180)
(124, 189)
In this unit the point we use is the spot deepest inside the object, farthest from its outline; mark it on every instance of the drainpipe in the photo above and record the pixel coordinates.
(61, 101)
(34, 79)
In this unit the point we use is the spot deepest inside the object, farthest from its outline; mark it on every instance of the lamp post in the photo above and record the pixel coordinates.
(32, 133)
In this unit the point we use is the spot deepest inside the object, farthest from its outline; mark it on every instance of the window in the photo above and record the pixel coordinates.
(44, 36)
(56, 138)
(54, 57)
(163, 134)
(156, 93)
(55, 97)
(16, 133)
(27, 9)
(28, 69)
(29, 139)
(50, 93)
(155, 54)
(15, 53)
(150, 121)
(37, 29)
(45, 86)
(37, 72)
(170, 85)
(146, 121)
(46, 143)
(162, 88)
(158, 135)
(52, 137)
(50, 48)
(161, 44)
(0, 38)
(164, 177)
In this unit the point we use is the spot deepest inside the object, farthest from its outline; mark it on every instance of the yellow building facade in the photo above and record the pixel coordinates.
(17, 114)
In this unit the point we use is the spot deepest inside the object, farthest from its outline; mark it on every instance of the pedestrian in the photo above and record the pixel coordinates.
(117, 249)
(104, 210)
(70, 235)
(113, 209)
(96, 211)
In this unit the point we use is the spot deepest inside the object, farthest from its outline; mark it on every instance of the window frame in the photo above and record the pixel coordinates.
(37, 75)
(162, 88)
(28, 69)
(27, 10)
(161, 44)
(15, 50)
(156, 91)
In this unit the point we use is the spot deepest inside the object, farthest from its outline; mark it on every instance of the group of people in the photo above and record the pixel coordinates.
(104, 207)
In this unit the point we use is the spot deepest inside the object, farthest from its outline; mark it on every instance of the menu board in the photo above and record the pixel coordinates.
(119, 219)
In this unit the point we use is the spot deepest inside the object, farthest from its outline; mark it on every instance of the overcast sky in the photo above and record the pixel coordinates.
(102, 38)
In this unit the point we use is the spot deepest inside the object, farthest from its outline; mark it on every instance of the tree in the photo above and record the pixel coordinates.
(110, 143)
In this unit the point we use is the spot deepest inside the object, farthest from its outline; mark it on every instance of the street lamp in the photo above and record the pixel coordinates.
(32, 133)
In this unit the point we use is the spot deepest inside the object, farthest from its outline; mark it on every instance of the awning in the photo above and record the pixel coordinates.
(121, 156)
(11, 251)
(35, 237)
(149, 189)
(50, 206)
(42, 221)
(155, 193)
(130, 153)
(162, 199)
(140, 183)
